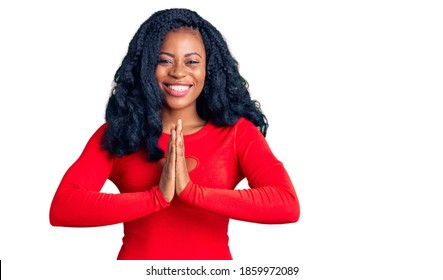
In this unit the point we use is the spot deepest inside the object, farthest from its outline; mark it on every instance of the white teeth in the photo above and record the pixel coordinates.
(178, 87)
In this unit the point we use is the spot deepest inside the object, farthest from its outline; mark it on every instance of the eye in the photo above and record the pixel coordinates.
(164, 61)
(193, 62)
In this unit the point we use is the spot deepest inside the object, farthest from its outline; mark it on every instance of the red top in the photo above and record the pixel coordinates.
(195, 224)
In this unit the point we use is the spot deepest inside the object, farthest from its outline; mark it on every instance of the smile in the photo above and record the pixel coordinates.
(178, 90)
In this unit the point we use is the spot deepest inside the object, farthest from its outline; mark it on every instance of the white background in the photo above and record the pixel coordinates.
(353, 93)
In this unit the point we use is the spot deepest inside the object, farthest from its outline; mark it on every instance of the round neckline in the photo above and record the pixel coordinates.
(193, 134)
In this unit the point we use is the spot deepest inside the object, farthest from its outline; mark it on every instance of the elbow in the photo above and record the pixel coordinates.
(294, 211)
(53, 223)
(295, 214)
(60, 211)
(56, 214)
(53, 217)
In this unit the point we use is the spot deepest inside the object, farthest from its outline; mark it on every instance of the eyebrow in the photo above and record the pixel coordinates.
(186, 55)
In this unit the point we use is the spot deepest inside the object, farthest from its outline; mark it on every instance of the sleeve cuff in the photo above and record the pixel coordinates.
(160, 198)
(185, 195)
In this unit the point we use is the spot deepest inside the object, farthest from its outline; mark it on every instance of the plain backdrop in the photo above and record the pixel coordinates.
(353, 93)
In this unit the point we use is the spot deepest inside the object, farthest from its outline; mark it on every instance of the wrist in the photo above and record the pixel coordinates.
(181, 187)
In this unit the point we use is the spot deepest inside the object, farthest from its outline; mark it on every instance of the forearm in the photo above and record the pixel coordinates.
(77, 207)
(267, 204)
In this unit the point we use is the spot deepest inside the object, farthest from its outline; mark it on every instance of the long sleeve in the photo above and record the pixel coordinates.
(271, 197)
(78, 201)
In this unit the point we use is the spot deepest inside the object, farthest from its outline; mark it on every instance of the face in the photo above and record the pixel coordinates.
(181, 68)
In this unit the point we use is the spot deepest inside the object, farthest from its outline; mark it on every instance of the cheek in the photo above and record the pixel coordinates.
(157, 74)
(201, 75)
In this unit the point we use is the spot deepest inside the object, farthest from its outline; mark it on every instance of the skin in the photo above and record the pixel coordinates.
(180, 73)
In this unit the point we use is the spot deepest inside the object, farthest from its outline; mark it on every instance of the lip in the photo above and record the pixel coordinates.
(178, 90)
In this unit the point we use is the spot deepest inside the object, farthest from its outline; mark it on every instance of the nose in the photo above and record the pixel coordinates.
(177, 71)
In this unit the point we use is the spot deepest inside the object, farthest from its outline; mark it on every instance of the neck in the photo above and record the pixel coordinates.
(191, 120)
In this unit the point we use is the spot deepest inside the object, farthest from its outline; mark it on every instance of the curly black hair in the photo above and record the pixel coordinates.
(133, 112)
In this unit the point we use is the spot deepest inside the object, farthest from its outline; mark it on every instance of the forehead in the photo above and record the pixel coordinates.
(183, 35)
(186, 29)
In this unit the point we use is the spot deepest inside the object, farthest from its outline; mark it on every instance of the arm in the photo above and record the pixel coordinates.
(78, 201)
(271, 197)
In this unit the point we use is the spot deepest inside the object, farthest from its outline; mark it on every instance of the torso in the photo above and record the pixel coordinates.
(181, 231)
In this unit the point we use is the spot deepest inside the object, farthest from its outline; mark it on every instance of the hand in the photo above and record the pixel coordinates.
(181, 170)
(167, 179)
(175, 174)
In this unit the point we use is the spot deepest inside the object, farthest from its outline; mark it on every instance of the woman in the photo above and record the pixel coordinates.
(181, 132)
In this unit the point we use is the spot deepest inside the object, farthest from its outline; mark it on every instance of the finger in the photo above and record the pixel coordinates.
(173, 146)
(167, 179)
(181, 170)
(179, 125)
(170, 143)
(169, 167)
(180, 139)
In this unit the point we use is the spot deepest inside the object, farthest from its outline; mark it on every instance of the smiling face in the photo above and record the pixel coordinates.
(181, 68)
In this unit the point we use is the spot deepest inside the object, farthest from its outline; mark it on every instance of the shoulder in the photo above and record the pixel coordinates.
(249, 139)
(245, 126)
(241, 131)
(246, 132)
(93, 150)
(96, 138)
(242, 124)
(100, 131)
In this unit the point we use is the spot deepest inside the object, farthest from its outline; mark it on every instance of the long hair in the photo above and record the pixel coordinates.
(133, 112)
